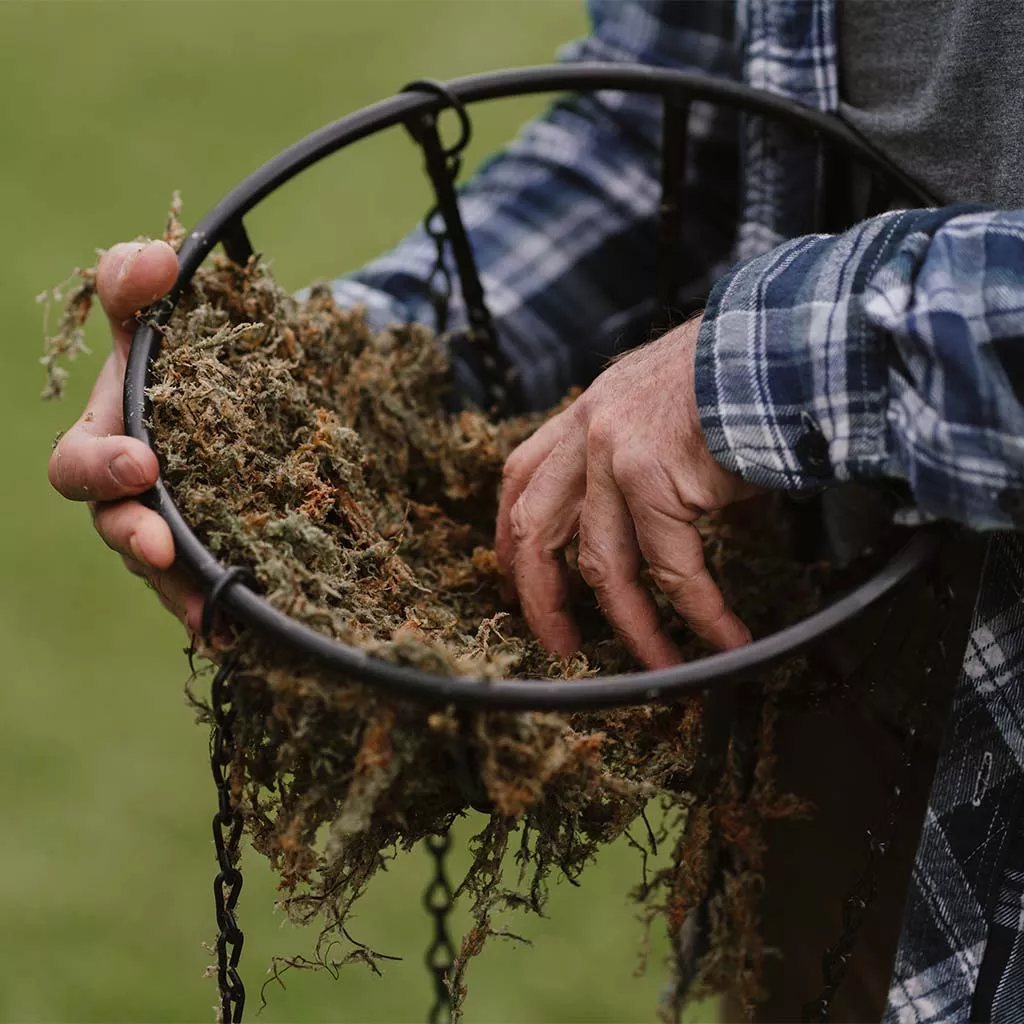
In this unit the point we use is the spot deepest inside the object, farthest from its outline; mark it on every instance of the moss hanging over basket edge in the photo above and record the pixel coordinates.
(323, 457)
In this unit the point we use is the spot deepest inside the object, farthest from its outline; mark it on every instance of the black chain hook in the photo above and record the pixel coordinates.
(439, 282)
(440, 956)
(228, 821)
(477, 346)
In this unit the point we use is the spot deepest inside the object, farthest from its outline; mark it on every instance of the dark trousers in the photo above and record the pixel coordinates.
(845, 765)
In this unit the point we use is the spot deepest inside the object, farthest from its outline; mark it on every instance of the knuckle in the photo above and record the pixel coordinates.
(593, 566)
(601, 434)
(513, 473)
(674, 582)
(520, 521)
(635, 469)
(56, 470)
(697, 496)
(713, 615)
(710, 611)
(65, 463)
(109, 268)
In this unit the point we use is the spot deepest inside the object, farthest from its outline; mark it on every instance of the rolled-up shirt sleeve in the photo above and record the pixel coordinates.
(894, 350)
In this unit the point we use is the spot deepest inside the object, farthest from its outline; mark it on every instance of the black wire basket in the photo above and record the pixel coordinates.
(230, 589)
(419, 107)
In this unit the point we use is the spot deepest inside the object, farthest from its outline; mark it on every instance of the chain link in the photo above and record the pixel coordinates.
(475, 345)
(440, 956)
(439, 280)
(227, 833)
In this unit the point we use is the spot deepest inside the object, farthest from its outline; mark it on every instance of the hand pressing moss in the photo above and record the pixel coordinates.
(626, 470)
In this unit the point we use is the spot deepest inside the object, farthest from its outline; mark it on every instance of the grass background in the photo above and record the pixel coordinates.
(107, 863)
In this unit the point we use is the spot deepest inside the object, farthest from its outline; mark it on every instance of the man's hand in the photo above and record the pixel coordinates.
(95, 462)
(625, 468)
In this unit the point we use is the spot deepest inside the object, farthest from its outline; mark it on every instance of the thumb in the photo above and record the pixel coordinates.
(130, 276)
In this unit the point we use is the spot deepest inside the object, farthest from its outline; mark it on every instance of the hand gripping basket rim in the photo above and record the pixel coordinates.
(230, 587)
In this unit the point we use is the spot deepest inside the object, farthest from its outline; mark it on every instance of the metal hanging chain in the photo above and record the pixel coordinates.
(439, 281)
(424, 131)
(228, 821)
(440, 956)
(478, 345)
(227, 833)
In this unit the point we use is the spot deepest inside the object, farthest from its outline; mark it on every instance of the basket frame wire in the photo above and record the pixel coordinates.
(225, 225)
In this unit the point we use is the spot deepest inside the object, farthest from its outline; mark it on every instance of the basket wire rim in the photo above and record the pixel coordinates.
(621, 689)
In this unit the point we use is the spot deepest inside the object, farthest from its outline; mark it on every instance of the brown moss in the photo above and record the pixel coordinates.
(68, 342)
(321, 456)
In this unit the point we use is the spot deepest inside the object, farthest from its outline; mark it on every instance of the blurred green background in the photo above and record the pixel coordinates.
(105, 850)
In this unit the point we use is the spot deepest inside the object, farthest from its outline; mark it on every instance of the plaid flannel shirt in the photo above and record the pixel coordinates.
(895, 348)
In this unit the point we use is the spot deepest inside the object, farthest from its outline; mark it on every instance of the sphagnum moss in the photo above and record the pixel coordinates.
(322, 456)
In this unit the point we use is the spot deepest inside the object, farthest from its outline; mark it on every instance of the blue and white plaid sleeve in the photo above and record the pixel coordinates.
(894, 350)
(563, 221)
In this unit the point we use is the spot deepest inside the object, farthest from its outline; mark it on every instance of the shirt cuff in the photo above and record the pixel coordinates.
(790, 385)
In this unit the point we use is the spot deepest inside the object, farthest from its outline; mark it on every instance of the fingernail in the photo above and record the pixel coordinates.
(128, 261)
(743, 636)
(127, 472)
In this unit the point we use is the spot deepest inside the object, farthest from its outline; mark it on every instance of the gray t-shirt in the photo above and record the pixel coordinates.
(938, 86)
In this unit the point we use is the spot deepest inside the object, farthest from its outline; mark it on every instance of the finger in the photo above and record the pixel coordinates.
(93, 461)
(672, 548)
(136, 532)
(542, 522)
(519, 468)
(130, 276)
(176, 590)
(609, 562)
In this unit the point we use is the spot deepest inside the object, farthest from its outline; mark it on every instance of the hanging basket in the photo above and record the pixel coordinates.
(231, 590)
(224, 226)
